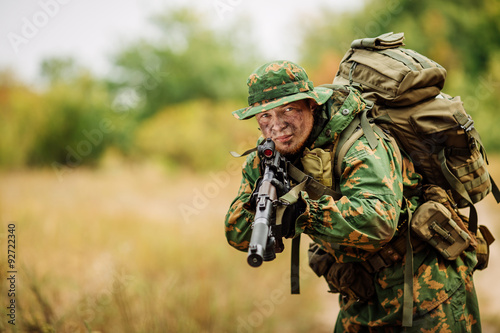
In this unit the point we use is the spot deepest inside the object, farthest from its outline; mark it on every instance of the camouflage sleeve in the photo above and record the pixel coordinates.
(366, 216)
(239, 217)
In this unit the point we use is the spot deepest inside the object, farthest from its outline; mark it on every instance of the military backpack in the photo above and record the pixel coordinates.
(431, 127)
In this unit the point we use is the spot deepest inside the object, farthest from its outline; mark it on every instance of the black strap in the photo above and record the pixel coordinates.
(495, 190)
(295, 266)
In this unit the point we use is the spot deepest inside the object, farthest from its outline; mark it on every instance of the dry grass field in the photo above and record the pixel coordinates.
(133, 249)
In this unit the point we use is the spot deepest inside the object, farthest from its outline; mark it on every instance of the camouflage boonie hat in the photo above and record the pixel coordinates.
(278, 83)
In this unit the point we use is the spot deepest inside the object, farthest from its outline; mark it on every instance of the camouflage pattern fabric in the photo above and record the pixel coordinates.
(277, 83)
(363, 220)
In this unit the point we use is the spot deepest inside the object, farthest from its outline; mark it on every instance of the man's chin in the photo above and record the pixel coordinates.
(289, 150)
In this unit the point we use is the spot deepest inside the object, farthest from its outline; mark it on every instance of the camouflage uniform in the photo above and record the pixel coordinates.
(366, 217)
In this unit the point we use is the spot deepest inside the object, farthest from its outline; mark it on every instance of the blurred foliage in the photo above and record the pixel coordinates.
(69, 124)
(21, 120)
(197, 134)
(175, 89)
(77, 117)
(188, 61)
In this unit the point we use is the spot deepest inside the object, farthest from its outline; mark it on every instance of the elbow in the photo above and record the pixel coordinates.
(385, 224)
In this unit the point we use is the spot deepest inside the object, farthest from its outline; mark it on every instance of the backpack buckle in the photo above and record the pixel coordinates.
(469, 125)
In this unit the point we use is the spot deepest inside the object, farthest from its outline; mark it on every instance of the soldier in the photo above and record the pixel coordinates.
(359, 237)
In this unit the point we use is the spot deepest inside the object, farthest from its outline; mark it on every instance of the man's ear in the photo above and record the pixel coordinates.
(312, 104)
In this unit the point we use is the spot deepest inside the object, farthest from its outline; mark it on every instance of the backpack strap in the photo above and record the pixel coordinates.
(397, 56)
(358, 127)
(353, 132)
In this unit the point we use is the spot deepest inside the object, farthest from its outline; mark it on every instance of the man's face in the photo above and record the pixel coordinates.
(288, 125)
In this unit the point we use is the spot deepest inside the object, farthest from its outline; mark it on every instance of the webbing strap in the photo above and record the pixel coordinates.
(467, 124)
(469, 168)
(418, 58)
(408, 275)
(495, 190)
(450, 177)
(368, 130)
(397, 56)
(351, 71)
(347, 138)
(353, 133)
(480, 196)
(472, 219)
(460, 188)
(393, 142)
(476, 182)
(295, 266)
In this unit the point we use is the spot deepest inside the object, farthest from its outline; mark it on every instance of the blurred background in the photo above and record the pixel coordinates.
(115, 129)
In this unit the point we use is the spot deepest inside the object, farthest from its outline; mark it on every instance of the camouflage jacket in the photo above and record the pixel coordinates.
(362, 221)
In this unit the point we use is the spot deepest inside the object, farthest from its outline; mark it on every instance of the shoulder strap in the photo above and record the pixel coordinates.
(358, 127)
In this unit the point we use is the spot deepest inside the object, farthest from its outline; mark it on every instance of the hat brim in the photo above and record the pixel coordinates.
(319, 94)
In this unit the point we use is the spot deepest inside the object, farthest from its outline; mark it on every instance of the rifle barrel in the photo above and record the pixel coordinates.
(261, 226)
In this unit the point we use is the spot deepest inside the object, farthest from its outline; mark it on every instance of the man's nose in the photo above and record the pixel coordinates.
(278, 124)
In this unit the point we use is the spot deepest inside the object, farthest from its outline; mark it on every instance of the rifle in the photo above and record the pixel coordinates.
(266, 238)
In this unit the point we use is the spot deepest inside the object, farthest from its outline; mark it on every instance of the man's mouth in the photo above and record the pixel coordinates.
(283, 138)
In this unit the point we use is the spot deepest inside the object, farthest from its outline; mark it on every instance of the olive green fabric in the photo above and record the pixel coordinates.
(388, 73)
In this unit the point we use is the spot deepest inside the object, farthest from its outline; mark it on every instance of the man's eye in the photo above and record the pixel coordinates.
(288, 109)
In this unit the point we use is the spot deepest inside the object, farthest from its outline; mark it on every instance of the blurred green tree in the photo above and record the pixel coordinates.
(78, 121)
(188, 61)
(21, 120)
(75, 117)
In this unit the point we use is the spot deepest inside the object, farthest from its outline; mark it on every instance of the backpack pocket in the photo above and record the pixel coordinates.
(433, 223)
(446, 134)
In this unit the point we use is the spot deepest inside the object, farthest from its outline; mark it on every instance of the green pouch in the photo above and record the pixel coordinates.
(317, 163)
(433, 222)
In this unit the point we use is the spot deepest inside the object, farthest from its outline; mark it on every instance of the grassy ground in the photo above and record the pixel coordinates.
(131, 249)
